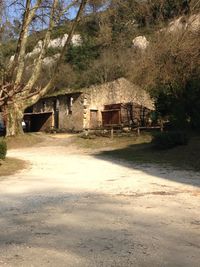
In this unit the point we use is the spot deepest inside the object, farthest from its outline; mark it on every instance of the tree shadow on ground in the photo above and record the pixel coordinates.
(65, 229)
(178, 164)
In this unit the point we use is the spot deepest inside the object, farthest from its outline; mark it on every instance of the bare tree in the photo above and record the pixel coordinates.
(15, 96)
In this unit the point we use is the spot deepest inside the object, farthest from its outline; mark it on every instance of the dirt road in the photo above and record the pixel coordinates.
(74, 209)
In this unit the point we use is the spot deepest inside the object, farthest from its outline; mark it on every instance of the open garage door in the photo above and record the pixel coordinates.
(36, 122)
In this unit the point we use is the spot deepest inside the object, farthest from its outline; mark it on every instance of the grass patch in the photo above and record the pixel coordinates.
(22, 141)
(3, 149)
(102, 143)
(140, 150)
(10, 166)
(181, 157)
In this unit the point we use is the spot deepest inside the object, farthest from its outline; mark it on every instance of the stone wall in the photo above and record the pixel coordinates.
(71, 118)
(119, 91)
(44, 105)
(81, 110)
(69, 107)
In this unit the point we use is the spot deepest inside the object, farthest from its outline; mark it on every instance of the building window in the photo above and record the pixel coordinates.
(85, 101)
(57, 104)
(69, 105)
(44, 106)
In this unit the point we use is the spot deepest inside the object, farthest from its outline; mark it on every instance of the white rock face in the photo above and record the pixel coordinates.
(140, 42)
(76, 40)
(59, 42)
(192, 23)
(55, 43)
(177, 25)
(49, 61)
(12, 58)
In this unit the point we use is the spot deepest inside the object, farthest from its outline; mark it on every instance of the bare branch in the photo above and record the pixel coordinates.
(38, 66)
(19, 58)
(44, 90)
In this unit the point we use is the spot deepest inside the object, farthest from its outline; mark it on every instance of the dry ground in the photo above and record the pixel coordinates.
(72, 208)
(10, 166)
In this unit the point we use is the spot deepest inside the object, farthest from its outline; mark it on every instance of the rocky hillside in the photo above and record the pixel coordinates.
(181, 24)
(107, 43)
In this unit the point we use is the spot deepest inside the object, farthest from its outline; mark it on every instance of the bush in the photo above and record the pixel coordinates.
(3, 149)
(168, 140)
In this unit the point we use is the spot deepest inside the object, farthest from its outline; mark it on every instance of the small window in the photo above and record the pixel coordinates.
(69, 105)
(57, 104)
(44, 105)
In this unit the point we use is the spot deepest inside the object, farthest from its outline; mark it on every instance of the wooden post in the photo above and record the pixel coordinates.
(111, 133)
(161, 125)
(138, 131)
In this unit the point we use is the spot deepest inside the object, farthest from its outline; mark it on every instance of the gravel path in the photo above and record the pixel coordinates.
(73, 209)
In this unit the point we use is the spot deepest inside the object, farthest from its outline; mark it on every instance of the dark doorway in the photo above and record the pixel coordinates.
(56, 113)
(36, 122)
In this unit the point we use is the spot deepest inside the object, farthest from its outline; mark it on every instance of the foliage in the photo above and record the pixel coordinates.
(192, 102)
(158, 10)
(108, 66)
(8, 49)
(33, 40)
(170, 70)
(167, 140)
(61, 30)
(81, 56)
(3, 149)
(52, 51)
(90, 26)
(108, 36)
(180, 105)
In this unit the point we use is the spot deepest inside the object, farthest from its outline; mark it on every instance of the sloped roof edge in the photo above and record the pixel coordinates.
(66, 91)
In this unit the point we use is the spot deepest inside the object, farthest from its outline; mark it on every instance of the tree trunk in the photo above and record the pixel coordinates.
(14, 117)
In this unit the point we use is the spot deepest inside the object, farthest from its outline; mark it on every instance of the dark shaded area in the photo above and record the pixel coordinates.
(95, 228)
(2, 124)
(36, 122)
(167, 162)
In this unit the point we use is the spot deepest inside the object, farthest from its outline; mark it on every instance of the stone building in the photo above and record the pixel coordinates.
(118, 103)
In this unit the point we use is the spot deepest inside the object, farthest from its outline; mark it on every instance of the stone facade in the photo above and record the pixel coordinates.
(119, 91)
(67, 111)
(71, 112)
(79, 110)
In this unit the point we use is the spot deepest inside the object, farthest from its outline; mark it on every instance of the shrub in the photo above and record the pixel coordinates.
(3, 149)
(168, 140)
